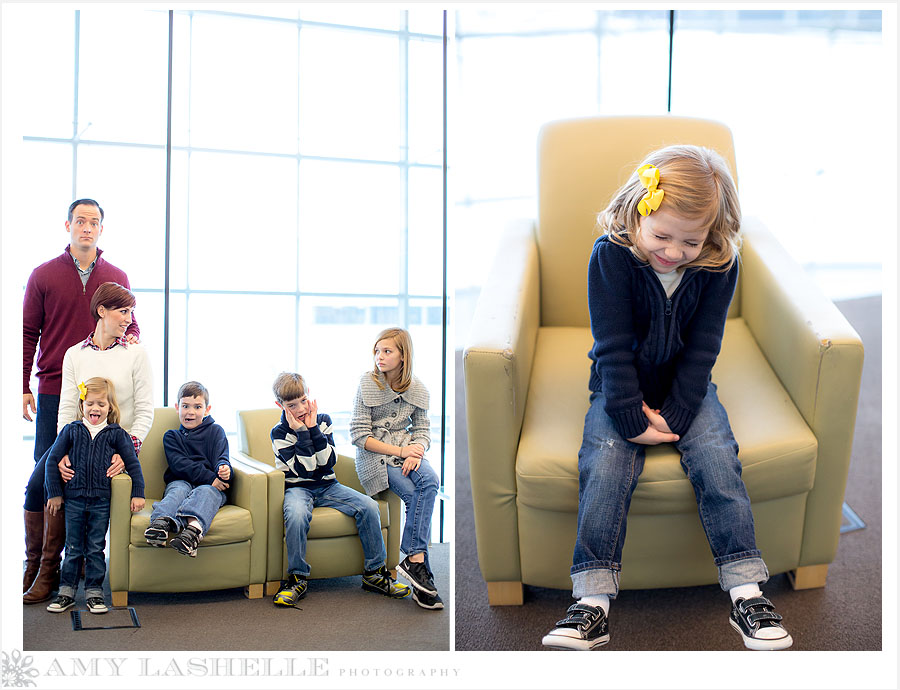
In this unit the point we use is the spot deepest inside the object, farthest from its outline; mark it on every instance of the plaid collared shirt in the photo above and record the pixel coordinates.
(89, 342)
(83, 273)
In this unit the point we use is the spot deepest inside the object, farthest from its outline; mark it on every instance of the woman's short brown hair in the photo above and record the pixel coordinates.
(111, 296)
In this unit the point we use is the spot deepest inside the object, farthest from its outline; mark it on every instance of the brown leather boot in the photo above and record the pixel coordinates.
(34, 544)
(47, 578)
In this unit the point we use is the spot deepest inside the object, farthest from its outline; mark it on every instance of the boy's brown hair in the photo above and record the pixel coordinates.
(289, 386)
(193, 389)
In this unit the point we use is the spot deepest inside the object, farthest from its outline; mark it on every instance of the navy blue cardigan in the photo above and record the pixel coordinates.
(195, 455)
(90, 459)
(650, 347)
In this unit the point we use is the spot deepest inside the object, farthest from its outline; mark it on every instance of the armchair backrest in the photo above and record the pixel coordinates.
(581, 164)
(153, 456)
(254, 428)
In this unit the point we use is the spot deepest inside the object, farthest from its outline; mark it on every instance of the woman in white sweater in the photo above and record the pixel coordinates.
(107, 354)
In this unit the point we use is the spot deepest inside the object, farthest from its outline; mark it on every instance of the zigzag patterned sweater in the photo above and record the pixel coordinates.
(306, 456)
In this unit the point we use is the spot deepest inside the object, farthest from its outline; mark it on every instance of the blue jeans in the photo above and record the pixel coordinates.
(417, 490)
(609, 467)
(299, 502)
(44, 436)
(182, 500)
(87, 520)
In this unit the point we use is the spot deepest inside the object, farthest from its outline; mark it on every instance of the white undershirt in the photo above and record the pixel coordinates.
(95, 428)
(670, 280)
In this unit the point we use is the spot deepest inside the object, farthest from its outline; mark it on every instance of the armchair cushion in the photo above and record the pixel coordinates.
(328, 522)
(231, 525)
(777, 449)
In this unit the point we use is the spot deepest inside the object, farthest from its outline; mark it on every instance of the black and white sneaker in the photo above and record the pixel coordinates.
(427, 601)
(380, 581)
(186, 541)
(418, 576)
(584, 628)
(61, 603)
(158, 532)
(96, 605)
(760, 627)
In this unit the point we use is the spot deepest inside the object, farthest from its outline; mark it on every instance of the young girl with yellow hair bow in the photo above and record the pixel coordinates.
(660, 280)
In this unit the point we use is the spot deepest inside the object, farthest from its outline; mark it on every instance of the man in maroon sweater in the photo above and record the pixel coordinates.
(57, 315)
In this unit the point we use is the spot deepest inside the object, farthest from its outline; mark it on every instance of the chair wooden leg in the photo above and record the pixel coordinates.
(272, 587)
(120, 598)
(505, 593)
(808, 576)
(254, 591)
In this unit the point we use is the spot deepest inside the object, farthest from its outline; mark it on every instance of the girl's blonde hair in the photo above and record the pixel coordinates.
(697, 186)
(405, 348)
(105, 386)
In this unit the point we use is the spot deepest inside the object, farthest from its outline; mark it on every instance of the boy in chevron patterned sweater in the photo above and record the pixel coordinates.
(304, 451)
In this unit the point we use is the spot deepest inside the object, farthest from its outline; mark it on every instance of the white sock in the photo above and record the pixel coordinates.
(601, 601)
(747, 591)
(195, 523)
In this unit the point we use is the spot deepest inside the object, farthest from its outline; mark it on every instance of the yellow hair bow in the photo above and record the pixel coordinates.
(82, 390)
(649, 177)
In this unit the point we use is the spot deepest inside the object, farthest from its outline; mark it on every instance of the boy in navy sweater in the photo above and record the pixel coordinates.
(304, 451)
(197, 477)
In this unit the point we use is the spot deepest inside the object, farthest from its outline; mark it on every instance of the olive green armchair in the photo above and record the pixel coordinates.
(788, 374)
(232, 553)
(333, 548)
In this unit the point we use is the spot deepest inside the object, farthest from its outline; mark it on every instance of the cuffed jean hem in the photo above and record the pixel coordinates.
(66, 591)
(593, 581)
(743, 572)
(88, 593)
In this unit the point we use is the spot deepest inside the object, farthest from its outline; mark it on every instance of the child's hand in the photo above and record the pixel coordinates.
(410, 464)
(293, 421)
(413, 450)
(656, 420)
(653, 437)
(54, 504)
(116, 465)
(65, 469)
(311, 416)
(137, 504)
(219, 484)
(224, 472)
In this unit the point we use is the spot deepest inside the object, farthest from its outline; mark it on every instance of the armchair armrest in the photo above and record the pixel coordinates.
(119, 531)
(274, 529)
(249, 490)
(818, 358)
(497, 362)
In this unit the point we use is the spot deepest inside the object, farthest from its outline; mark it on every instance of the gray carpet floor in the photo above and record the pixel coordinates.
(845, 615)
(335, 615)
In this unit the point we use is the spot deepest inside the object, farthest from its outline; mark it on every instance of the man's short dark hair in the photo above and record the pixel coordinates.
(193, 389)
(86, 202)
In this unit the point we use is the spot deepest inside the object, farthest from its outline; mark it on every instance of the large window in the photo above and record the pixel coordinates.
(801, 90)
(305, 187)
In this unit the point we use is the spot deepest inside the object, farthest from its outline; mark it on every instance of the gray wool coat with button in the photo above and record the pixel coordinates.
(388, 416)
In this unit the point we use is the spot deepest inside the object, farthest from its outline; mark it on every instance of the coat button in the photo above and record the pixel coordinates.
(382, 461)
(396, 400)
(387, 425)
(393, 414)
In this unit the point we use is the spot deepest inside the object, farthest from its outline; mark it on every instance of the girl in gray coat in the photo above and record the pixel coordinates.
(391, 430)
